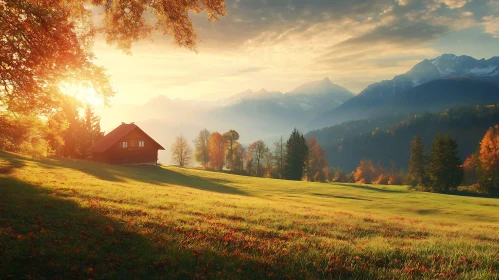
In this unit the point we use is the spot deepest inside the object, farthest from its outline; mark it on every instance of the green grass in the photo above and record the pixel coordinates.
(70, 219)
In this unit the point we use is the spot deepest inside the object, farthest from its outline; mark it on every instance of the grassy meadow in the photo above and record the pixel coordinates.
(71, 219)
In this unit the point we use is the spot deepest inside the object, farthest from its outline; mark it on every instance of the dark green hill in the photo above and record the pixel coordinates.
(383, 142)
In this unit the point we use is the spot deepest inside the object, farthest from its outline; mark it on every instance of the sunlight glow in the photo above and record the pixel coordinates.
(84, 94)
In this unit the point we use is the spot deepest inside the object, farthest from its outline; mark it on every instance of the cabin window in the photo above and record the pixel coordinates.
(141, 144)
(124, 144)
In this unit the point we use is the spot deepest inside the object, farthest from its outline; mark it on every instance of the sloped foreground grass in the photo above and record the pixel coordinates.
(67, 219)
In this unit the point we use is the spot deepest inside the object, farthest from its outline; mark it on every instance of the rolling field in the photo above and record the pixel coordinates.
(69, 219)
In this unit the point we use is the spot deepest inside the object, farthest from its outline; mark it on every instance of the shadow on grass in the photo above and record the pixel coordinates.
(43, 236)
(9, 162)
(340, 196)
(370, 188)
(115, 173)
(474, 194)
(462, 191)
(428, 211)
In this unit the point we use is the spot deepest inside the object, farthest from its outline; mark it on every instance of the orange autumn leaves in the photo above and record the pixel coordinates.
(489, 149)
(482, 167)
(217, 151)
(317, 166)
(368, 173)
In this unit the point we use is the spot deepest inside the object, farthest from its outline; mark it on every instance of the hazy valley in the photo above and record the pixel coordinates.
(435, 85)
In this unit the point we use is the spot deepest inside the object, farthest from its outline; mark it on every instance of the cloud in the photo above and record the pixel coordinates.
(253, 22)
(246, 71)
(278, 44)
(491, 24)
(453, 4)
(408, 26)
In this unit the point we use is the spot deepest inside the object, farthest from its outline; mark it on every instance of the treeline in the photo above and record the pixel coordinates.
(481, 169)
(442, 170)
(387, 140)
(63, 133)
(296, 158)
(439, 170)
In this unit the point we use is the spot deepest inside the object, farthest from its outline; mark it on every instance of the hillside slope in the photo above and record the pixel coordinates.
(78, 220)
(260, 115)
(386, 140)
(383, 97)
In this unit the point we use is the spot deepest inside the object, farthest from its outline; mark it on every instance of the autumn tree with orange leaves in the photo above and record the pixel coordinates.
(365, 172)
(46, 52)
(217, 151)
(470, 169)
(316, 162)
(48, 42)
(489, 161)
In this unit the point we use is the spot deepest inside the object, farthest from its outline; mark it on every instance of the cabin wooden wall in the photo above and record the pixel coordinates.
(132, 155)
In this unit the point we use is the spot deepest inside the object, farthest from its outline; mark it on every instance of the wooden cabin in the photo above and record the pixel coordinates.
(126, 144)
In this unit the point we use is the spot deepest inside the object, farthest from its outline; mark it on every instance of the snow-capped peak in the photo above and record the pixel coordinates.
(451, 65)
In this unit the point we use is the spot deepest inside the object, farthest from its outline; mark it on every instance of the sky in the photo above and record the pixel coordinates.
(281, 44)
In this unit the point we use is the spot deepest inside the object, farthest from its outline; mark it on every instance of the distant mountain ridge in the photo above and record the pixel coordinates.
(276, 112)
(377, 95)
(432, 85)
(322, 90)
(249, 94)
(255, 115)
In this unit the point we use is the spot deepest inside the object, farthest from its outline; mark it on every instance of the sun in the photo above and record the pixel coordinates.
(84, 94)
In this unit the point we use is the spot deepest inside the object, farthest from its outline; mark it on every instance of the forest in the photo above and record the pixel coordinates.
(296, 158)
(387, 140)
(441, 169)
(68, 132)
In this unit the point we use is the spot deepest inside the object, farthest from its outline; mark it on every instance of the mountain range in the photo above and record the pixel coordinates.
(431, 85)
(255, 115)
(447, 81)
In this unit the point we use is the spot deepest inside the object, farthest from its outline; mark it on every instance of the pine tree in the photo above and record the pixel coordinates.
(453, 164)
(436, 171)
(280, 156)
(72, 135)
(296, 156)
(416, 163)
(91, 128)
(445, 172)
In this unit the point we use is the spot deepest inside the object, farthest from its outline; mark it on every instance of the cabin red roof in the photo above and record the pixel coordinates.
(115, 136)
